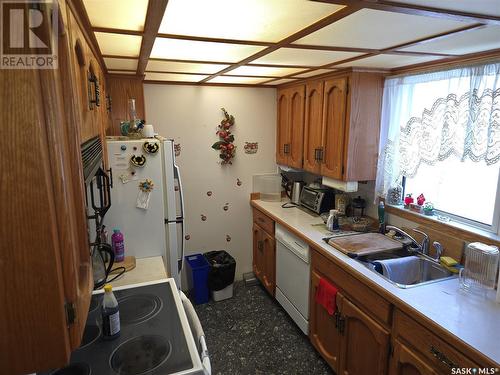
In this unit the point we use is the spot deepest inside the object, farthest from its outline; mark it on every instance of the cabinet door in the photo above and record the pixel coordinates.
(312, 127)
(323, 331)
(269, 262)
(365, 344)
(406, 362)
(258, 252)
(297, 102)
(283, 127)
(334, 110)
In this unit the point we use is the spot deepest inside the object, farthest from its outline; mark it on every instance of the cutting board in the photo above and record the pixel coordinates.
(128, 263)
(366, 243)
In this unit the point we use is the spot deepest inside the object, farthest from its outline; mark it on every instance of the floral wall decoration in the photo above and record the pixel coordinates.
(225, 143)
(251, 147)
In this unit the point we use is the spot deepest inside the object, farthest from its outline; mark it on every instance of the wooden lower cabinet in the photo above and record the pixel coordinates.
(323, 331)
(406, 362)
(264, 258)
(365, 343)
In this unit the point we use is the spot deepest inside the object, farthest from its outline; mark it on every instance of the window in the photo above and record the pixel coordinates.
(440, 136)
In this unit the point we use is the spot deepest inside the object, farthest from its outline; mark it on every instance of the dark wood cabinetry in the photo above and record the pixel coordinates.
(264, 251)
(290, 128)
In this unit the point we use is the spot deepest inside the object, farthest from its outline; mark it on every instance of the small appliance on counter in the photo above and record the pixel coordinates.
(480, 270)
(318, 200)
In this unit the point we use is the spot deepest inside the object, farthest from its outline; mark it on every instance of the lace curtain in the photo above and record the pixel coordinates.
(428, 118)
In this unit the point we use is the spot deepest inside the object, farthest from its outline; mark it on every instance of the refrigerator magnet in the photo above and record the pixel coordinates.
(145, 189)
(150, 147)
(138, 160)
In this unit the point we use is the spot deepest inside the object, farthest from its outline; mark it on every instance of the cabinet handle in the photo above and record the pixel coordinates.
(94, 95)
(442, 358)
(316, 154)
(109, 103)
(286, 148)
(321, 154)
(260, 245)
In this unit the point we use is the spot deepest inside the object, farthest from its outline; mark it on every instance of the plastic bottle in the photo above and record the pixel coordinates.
(333, 221)
(117, 243)
(110, 314)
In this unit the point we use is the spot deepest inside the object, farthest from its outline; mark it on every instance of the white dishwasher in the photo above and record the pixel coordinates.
(292, 276)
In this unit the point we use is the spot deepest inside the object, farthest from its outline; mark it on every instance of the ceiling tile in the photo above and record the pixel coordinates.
(182, 67)
(294, 56)
(462, 43)
(118, 64)
(120, 72)
(119, 44)
(237, 80)
(376, 29)
(258, 20)
(167, 48)
(488, 7)
(387, 61)
(117, 14)
(314, 73)
(263, 71)
(174, 77)
(281, 81)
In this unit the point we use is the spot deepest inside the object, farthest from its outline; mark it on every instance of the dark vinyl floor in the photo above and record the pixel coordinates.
(252, 334)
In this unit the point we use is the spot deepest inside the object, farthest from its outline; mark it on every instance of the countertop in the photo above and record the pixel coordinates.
(146, 269)
(472, 319)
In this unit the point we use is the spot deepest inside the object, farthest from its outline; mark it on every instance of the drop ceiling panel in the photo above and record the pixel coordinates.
(467, 42)
(179, 49)
(258, 20)
(263, 71)
(119, 44)
(314, 73)
(117, 14)
(119, 64)
(376, 29)
(238, 80)
(174, 77)
(388, 61)
(487, 7)
(280, 81)
(294, 56)
(182, 67)
(120, 72)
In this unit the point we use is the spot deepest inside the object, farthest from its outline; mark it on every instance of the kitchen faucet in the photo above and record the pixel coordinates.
(421, 247)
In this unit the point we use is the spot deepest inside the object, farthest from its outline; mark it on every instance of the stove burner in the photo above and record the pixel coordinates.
(138, 308)
(91, 333)
(140, 355)
(73, 369)
(95, 301)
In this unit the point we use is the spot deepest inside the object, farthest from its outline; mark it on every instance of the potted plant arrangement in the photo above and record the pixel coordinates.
(408, 200)
(428, 209)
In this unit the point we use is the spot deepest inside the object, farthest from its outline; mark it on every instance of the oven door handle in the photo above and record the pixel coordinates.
(198, 333)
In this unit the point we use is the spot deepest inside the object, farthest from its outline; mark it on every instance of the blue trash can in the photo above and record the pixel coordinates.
(197, 273)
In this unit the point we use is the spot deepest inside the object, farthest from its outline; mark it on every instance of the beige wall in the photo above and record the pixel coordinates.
(190, 115)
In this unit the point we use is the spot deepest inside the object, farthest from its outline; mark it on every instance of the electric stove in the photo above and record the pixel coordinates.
(155, 337)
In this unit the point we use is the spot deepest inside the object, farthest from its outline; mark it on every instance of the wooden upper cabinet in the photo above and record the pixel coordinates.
(365, 346)
(313, 126)
(290, 128)
(406, 362)
(283, 127)
(323, 331)
(333, 129)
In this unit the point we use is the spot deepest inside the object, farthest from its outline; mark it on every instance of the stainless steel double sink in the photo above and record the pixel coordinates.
(427, 269)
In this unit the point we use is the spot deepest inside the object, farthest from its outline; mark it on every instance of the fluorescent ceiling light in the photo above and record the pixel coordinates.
(281, 81)
(314, 73)
(258, 20)
(174, 77)
(263, 71)
(119, 44)
(179, 49)
(389, 61)
(184, 67)
(294, 56)
(117, 14)
(118, 64)
(238, 80)
(120, 72)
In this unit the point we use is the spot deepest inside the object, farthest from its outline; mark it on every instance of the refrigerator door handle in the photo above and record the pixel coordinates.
(177, 175)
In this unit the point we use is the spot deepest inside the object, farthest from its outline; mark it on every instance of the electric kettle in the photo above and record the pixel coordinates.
(100, 270)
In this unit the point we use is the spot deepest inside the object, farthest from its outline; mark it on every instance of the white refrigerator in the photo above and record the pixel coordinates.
(152, 222)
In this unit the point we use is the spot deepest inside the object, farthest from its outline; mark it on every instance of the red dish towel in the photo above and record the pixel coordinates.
(326, 296)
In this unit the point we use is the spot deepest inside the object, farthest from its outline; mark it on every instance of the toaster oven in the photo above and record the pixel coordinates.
(318, 200)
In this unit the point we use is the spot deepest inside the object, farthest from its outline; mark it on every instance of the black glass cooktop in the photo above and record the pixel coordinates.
(152, 341)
